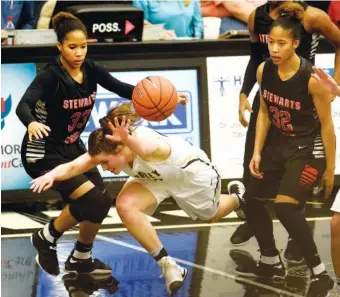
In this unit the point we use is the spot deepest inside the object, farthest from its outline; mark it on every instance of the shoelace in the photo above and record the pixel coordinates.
(168, 261)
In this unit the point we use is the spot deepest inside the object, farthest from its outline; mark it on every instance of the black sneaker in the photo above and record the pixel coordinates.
(89, 283)
(47, 253)
(292, 253)
(242, 235)
(262, 270)
(90, 265)
(320, 285)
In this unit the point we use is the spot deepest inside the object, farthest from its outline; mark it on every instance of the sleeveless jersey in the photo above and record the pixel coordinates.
(183, 159)
(290, 106)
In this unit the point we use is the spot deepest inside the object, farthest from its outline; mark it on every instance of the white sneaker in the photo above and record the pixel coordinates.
(173, 274)
(237, 188)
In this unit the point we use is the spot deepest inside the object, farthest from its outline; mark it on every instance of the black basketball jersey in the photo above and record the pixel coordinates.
(308, 41)
(290, 106)
(58, 101)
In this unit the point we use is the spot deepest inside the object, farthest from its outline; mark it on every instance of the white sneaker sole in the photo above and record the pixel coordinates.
(176, 285)
(292, 261)
(275, 278)
(96, 271)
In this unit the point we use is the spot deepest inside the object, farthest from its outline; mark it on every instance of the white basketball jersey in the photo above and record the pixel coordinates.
(175, 167)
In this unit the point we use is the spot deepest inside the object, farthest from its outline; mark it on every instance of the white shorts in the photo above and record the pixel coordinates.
(198, 193)
(336, 204)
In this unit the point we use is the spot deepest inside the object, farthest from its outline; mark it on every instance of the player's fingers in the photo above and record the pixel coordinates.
(123, 121)
(128, 123)
(116, 122)
(40, 134)
(35, 135)
(316, 77)
(47, 186)
(41, 186)
(111, 127)
(30, 136)
(47, 128)
(44, 131)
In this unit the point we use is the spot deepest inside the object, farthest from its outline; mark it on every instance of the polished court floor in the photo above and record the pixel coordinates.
(204, 249)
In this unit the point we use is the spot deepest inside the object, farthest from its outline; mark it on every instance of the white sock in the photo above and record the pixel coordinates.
(270, 260)
(156, 252)
(80, 255)
(47, 234)
(319, 269)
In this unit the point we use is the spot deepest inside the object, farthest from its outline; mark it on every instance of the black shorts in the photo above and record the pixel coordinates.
(57, 153)
(289, 169)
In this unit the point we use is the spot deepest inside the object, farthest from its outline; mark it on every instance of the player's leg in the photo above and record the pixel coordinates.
(243, 233)
(335, 239)
(88, 205)
(258, 217)
(302, 173)
(227, 204)
(135, 200)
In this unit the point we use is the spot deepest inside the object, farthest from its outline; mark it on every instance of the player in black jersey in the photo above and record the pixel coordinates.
(330, 84)
(315, 23)
(55, 109)
(295, 122)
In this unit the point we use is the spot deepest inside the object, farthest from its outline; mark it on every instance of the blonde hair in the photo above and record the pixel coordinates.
(98, 142)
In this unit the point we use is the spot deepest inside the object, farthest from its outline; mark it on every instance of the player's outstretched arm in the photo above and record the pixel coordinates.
(63, 172)
(149, 149)
(326, 80)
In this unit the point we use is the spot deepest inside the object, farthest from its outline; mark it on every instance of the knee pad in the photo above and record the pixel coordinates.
(92, 206)
(284, 211)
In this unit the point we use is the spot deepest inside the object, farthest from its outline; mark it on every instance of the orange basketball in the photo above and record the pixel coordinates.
(154, 98)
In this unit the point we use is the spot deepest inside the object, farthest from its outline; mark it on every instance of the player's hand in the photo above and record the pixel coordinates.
(326, 80)
(254, 166)
(119, 132)
(327, 182)
(182, 98)
(42, 183)
(37, 130)
(244, 105)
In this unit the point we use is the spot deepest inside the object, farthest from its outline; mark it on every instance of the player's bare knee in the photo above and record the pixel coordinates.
(123, 205)
(93, 206)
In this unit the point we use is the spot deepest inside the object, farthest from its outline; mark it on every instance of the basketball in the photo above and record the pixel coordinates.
(154, 98)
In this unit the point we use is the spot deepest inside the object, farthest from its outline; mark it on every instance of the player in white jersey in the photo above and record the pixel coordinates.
(159, 167)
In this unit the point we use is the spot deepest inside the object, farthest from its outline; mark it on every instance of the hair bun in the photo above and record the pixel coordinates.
(292, 10)
(60, 18)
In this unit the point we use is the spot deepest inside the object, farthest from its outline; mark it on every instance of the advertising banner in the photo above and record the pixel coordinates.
(15, 78)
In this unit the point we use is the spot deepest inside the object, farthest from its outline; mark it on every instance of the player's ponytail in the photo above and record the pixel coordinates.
(289, 16)
(64, 23)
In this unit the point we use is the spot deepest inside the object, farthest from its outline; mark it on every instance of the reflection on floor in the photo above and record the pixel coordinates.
(205, 250)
